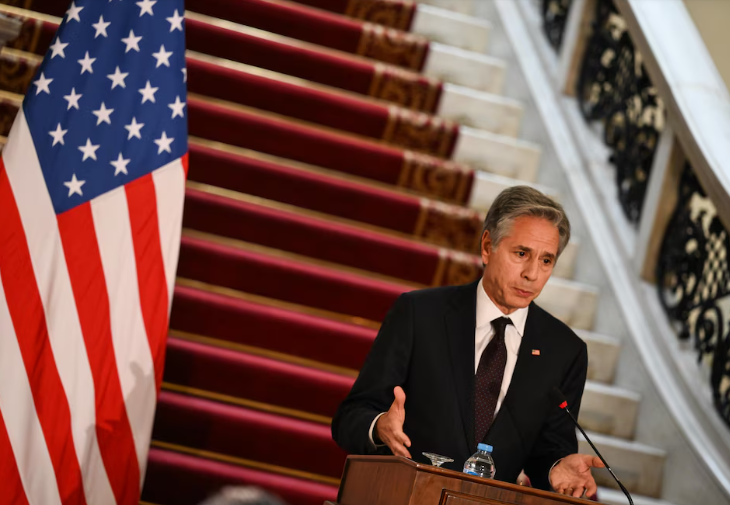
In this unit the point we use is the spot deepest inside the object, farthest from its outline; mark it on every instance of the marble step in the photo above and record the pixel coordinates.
(487, 187)
(639, 466)
(609, 410)
(465, 7)
(449, 27)
(603, 355)
(486, 111)
(616, 497)
(498, 154)
(572, 302)
(466, 68)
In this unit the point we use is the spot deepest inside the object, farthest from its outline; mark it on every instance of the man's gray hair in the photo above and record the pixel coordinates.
(521, 201)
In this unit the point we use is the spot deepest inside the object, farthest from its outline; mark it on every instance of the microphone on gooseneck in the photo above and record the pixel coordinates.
(559, 398)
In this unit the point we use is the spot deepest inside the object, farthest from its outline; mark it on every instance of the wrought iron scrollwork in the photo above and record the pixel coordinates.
(554, 18)
(613, 87)
(693, 279)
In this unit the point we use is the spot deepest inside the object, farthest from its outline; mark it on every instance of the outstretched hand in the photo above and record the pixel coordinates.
(389, 426)
(572, 475)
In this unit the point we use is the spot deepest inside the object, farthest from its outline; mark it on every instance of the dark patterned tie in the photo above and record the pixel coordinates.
(489, 379)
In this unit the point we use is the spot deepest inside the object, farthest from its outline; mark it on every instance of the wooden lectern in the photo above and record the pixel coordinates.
(393, 480)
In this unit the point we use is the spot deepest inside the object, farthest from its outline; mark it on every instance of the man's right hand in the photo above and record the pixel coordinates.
(389, 427)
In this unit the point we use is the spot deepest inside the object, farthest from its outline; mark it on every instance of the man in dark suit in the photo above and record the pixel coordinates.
(477, 362)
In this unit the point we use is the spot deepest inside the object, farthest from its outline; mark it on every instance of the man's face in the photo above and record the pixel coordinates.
(519, 267)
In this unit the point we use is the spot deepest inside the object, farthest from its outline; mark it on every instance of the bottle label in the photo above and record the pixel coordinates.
(470, 472)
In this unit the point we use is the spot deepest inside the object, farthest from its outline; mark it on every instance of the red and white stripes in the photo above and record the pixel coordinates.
(84, 304)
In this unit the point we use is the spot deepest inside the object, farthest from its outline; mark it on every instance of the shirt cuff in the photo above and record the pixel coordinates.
(372, 427)
(551, 471)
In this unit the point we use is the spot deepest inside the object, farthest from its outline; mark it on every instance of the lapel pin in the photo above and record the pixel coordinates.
(536, 352)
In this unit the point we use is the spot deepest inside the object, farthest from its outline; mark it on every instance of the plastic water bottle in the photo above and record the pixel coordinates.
(481, 463)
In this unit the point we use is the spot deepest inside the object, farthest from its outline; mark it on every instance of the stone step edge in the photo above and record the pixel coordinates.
(609, 389)
(609, 496)
(625, 445)
(448, 27)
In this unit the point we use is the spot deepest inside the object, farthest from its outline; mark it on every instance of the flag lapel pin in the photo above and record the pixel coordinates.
(536, 352)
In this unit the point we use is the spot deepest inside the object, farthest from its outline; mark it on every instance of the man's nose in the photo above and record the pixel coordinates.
(530, 271)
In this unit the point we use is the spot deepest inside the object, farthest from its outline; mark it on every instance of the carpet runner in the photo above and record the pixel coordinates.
(431, 221)
(393, 13)
(215, 426)
(196, 366)
(302, 23)
(272, 325)
(184, 479)
(332, 193)
(236, 216)
(322, 28)
(273, 52)
(249, 128)
(323, 106)
(231, 265)
(308, 211)
(276, 93)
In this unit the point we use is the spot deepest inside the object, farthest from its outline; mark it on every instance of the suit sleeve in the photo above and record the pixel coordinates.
(385, 367)
(557, 437)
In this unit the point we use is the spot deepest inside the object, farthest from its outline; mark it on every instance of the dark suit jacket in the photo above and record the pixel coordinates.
(426, 346)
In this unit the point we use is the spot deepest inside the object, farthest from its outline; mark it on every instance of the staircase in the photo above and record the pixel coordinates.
(325, 179)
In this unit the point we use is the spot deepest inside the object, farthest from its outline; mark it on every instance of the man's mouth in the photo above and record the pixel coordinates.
(523, 293)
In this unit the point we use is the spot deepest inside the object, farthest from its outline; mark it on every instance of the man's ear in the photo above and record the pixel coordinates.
(486, 247)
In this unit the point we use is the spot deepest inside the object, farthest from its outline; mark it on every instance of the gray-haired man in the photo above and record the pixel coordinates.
(477, 362)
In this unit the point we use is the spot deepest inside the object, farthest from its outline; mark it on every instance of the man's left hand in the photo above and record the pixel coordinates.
(572, 475)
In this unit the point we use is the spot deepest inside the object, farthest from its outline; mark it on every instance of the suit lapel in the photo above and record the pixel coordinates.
(460, 324)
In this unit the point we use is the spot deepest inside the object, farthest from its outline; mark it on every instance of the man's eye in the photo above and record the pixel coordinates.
(547, 261)
(521, 254)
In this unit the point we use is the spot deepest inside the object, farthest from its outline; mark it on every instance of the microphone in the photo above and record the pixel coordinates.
(559, 398)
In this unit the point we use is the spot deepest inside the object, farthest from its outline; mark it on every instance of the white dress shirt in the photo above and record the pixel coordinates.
(487, 311)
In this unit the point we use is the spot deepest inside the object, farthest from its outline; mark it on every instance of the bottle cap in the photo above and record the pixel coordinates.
(485, 447)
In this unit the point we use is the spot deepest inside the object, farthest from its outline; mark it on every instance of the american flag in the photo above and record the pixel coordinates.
(92, 183)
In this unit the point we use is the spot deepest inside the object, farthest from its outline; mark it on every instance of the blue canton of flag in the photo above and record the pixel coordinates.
(109, 102)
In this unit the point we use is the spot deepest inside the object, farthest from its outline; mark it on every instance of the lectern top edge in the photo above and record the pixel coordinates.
(451, 474)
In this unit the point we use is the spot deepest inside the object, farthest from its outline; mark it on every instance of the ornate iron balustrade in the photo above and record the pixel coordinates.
(554, 18)
(602, 64)
(614, 88)
(693, 280)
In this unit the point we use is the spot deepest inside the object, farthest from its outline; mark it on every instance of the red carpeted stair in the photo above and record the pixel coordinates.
(286, 229)
(394, 13)
(330, 193)
(252, 129)
(249, 128)
(273, 326)
(256, 378)
(322, 105)
(302, 23)
(280, 277)
(320, 27)
(180, 479)
(218, 427)
(280, 54)
(292, 98)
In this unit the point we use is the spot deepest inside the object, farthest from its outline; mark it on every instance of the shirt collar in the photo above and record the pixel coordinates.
(487, 311)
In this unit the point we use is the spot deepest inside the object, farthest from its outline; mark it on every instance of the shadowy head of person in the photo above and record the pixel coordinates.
(243, 495)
